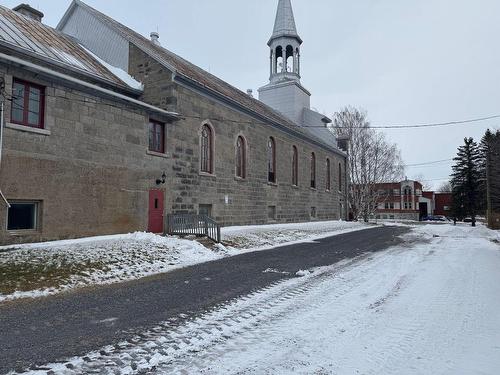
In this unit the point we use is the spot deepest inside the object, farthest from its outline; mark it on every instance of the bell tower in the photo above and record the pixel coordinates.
(285, 45)
(284, 91)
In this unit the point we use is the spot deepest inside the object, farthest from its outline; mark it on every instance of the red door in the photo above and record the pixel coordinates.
(155, 224)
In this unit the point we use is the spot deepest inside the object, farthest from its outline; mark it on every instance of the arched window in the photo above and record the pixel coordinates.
(241, 157)
(206, 149)
(290, 63)
(328, 177)
(295, 166)
(271, 160)
(280, 60)
(313, 170)
(340, 177)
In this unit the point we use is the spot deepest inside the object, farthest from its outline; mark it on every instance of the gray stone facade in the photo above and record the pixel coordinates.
(90, 172)
(234, 201)
(89, 169)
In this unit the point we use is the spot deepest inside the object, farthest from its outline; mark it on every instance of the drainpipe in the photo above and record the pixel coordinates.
(1, 144)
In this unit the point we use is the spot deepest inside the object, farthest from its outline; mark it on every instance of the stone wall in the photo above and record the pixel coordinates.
(89, 168)
(235, 201)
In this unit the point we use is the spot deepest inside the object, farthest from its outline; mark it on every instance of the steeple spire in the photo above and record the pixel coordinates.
(284, 92)
(285, 45)
(284, 24)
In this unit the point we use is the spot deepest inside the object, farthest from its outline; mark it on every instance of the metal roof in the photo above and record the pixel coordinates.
(34, 38)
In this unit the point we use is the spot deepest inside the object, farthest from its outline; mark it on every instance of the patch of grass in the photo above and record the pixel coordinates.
(27, 276)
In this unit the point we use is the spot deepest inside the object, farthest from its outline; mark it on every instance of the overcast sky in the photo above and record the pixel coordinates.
(405, 62)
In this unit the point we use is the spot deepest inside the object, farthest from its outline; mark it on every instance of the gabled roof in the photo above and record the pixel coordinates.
(284, 24)
(187, 71)
(32, 37)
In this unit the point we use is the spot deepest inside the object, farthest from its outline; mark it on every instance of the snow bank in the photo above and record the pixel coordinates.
(101, 260)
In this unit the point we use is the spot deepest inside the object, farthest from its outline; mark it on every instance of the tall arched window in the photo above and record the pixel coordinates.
(340, 177)
(313, 170)
(271, 160)
(206, 149)
(241, 157)
(328, 177)
(295, 166)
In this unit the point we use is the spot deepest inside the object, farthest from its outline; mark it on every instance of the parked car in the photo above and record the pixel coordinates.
(440, 218)
(435, 218)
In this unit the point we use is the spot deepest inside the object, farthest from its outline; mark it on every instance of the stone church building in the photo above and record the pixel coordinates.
(105, 131)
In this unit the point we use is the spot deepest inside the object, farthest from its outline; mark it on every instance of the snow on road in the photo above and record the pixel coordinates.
(429, 306)
(41, 269)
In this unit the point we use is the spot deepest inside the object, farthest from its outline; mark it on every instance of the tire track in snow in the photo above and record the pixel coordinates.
(354, 303)
(178, 344)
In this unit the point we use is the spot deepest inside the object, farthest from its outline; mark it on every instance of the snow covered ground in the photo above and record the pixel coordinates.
(429, 306)
(34, 270)
(262, 237)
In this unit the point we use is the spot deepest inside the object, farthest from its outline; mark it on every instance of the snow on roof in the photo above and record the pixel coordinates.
(121, 74)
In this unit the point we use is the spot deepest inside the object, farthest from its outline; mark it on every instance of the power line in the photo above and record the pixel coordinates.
(420, 125)
(86, 98)
(428, 163)
(436, 179)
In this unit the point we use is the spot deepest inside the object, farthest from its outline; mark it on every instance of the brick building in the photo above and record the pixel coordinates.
(399, 200)
(405, 200)
(87, 150)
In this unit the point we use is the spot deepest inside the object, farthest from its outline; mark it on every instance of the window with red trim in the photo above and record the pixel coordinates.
(340, 177)
(271, 160)
(328, 178)
(240, 157)
(206, 150)
(313, 170)
(27, 104)
(156, 137)
(295, 166)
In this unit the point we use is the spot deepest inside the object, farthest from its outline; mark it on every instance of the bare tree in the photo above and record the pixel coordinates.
(372, 160)
(426, 186)
(445, 187)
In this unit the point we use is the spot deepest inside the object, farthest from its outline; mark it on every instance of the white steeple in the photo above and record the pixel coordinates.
(285, 45)
(284, 92)
(284, 25)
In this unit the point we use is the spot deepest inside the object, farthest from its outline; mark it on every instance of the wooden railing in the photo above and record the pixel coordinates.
(191, 224)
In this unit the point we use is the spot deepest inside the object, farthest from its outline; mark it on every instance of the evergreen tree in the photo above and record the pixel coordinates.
(490, 148)
(467, 180)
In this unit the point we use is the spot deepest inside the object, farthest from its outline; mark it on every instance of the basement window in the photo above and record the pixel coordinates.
(23, 216)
